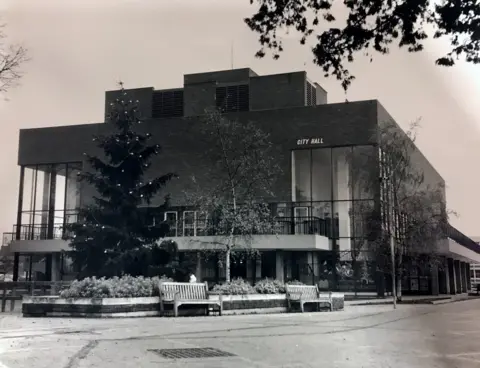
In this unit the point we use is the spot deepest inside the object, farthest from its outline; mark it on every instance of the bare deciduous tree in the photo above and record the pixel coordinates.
(11, 58)
(242, 169)
(413, 216)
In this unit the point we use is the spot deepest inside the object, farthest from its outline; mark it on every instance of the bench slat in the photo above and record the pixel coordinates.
(182, 293)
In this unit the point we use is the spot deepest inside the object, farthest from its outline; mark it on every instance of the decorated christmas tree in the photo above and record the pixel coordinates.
(115, 235)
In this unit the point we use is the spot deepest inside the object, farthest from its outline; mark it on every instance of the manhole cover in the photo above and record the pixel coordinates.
(191, 353)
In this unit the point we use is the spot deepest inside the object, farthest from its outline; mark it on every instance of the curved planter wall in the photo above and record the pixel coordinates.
(51, 306)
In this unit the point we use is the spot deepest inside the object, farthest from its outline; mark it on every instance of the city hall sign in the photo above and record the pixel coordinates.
(306, 141)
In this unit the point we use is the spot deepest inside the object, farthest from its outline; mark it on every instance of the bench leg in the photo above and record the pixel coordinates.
(301, 307)
(175, 309)
(220, 307)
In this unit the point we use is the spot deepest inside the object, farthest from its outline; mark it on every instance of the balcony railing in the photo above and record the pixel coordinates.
(279, 226)
(7, 238)
(38, 232)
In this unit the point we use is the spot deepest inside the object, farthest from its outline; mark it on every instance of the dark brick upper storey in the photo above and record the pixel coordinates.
(277, 105)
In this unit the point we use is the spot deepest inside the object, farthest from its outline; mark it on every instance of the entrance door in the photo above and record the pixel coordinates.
(301, 219)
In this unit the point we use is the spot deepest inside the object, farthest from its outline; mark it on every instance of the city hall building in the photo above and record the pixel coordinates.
(314, 199)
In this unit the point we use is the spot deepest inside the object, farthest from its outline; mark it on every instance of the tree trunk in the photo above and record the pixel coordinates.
(355, 276)
(399, 288)
(393, 270)
(399, 277)
(227, 265)
(230, 240)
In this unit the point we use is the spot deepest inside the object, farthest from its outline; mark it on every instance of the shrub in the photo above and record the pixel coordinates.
(270, 286)
(115, 287)
(234, 287)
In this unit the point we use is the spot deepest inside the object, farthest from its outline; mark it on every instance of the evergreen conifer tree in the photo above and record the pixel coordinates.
(115, 235)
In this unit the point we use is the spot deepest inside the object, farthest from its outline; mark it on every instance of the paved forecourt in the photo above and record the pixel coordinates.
(361, 336)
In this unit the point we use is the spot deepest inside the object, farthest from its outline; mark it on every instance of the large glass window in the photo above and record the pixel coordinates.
(301, 175)
(341, 173)
(364, 171)
(332, 174)
(321, 175)
(362, 218)
(50, 199)
(336, 186)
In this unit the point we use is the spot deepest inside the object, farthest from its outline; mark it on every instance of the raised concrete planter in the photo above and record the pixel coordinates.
(51, 306)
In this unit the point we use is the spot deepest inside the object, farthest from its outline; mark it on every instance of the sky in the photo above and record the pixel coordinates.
(80, 48)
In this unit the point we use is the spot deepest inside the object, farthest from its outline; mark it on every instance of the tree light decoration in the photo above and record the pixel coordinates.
(112, 232)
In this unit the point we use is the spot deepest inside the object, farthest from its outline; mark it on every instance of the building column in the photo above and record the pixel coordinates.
(16, 263)
(469, 278)
(250, 269)
(451, 276)
(55, 271)
(198, 267)
(258, 266)
(48, 266)
(434, 279)
(18, 228)
(279, 265)
(458, 277)
(443, 278)
(464, 276)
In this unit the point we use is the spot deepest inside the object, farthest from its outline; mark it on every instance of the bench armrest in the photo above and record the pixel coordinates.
(294, 293)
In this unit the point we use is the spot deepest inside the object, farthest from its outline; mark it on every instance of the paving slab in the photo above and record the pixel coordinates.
(365, 336)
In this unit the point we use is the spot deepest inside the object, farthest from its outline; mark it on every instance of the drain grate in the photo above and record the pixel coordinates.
(191, 353)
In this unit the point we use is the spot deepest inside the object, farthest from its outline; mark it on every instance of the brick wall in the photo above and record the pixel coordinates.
(337, 124)
(277, 91)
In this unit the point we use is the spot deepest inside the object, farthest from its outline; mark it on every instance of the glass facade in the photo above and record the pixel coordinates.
(333, 186)
(328, 183)
(50, 200)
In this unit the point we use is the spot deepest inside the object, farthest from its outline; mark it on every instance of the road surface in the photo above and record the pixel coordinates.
(412, 336)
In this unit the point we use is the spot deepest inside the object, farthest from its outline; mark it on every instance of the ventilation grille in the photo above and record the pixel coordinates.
(167, 104)
(233, 98)
(311, 94)
(192, 353)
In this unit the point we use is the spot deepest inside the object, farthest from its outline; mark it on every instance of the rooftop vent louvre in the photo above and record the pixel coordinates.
(166, 104)
(310, 94)
(233, 98)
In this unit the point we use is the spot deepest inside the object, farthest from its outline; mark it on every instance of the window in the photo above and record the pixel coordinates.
(189, 223)
(301, 175)
(171, 218)
(233, 98)
(363, 165)
(321, 174)
(51, 198)
(194, 223)
(341, 173)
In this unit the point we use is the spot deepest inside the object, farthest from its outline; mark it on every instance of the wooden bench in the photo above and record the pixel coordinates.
(185, 293)
(304, 294)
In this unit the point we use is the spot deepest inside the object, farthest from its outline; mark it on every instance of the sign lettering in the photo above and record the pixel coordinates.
(305, 141)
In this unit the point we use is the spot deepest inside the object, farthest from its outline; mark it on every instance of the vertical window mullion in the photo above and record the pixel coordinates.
(65, 200)
(311, 183)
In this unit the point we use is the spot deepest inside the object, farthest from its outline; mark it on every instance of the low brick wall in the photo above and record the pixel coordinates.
(51, 306)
